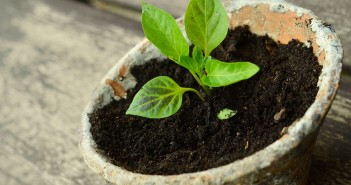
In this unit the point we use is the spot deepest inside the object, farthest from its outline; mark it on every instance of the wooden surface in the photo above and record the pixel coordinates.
(54, 52)
(52, 55)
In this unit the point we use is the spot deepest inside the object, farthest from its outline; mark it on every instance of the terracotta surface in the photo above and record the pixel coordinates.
(287, 160)
(280, 27)
(117, 88)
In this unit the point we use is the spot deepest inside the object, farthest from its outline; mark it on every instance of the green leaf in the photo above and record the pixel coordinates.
(196, 63)
(189, 63)
(224, 73)
(162, 30)
(159, 98)
(226, 114)
(201, 60)
(206, 24)
(197, 54)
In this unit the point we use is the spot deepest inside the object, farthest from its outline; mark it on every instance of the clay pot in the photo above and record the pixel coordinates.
(287, 160)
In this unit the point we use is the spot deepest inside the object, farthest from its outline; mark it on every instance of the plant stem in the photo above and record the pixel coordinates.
(207, 90)
(196, 92)
(206, 53)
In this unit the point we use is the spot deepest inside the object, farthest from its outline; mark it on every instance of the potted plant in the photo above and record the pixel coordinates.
(285, 161)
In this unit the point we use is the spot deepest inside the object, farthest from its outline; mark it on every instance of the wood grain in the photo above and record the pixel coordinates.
(54, 52)
(52, 55)
(331, 161)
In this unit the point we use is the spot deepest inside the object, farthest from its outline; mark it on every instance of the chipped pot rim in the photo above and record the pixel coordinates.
(311, 121)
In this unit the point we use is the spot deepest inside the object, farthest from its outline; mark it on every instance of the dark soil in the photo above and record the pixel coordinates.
(194, 139)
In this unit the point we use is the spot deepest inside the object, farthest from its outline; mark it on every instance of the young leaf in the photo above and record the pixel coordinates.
(206, 24)
(159, 98)
(200, 59)
(189, 63)
(162, 30)
(224, 73)
(197, 54)
(226, 114)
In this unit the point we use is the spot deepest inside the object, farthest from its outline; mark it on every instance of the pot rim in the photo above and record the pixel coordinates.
(326, 38)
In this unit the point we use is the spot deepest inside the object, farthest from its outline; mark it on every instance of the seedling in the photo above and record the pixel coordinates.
(206, 25)
(226, 114)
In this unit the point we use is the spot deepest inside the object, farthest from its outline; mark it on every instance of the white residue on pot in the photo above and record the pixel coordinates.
(328, 42)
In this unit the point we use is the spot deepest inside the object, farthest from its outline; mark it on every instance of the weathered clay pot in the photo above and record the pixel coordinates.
(287, 160)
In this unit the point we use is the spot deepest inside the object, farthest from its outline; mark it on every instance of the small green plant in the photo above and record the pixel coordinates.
(206, 25)
(226, 114)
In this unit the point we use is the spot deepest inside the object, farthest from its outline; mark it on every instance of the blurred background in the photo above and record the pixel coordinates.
(54, 52)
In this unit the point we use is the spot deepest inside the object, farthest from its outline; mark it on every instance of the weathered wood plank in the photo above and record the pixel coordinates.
(331, 162)
(52, 55)
(175, 7)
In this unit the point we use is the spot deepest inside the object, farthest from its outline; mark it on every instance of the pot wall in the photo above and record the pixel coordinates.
(287, 160)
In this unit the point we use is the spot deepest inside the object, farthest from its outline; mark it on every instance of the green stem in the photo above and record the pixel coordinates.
(196, 92)
(206, 53)
(207, 90)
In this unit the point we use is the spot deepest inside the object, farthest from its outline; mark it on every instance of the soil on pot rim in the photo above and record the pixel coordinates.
(194, 139)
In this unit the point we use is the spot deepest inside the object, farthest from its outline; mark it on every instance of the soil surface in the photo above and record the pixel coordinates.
(194, 139)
